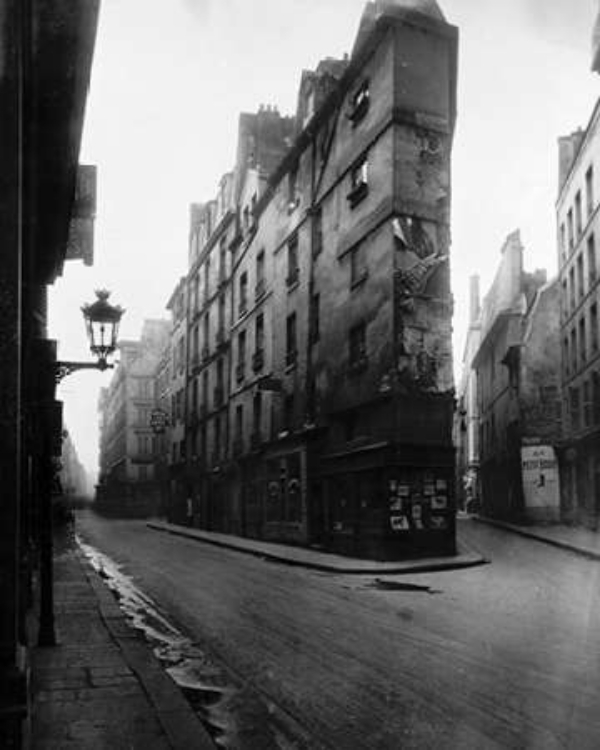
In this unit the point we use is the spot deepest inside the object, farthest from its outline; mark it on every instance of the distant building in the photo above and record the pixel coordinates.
(174, 390)
(578, 226)
(74, 480)
(517, 366)
(127, 484)
(320, 389)
(466, 423)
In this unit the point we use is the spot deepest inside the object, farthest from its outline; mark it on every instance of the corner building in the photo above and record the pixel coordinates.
(340, 390)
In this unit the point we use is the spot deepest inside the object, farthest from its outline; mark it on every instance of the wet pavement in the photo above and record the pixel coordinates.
(501, 655)
(101, 687)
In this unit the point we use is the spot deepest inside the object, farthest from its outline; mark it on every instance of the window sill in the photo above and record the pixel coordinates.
(357, 283)
(357, 194)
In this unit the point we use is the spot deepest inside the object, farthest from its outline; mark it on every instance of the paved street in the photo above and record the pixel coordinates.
(503, 655)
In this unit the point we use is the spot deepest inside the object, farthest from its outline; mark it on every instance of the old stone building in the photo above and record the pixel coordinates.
(127, 483)
(321, 395)
(517, 366)
(578, 225)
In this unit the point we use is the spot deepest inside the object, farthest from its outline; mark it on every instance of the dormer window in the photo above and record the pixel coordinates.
(359, 182)
(359, 104)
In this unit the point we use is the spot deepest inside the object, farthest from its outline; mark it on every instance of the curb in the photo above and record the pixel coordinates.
(520, 531)
(182, 727)
(429, 565)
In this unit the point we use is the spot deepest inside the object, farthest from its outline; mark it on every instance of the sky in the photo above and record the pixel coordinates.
(170, 79)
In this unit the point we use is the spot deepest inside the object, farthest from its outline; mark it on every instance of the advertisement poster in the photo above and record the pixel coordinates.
(539, 468)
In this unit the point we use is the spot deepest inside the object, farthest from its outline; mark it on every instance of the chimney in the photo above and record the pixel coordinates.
(474, 302)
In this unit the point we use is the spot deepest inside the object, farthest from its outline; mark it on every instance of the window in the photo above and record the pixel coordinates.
(566, 355)
(241, 365)
(587, 404)
(217, 446)
(259, 333)
(292, 262)
(574, 408)
(256, 412)
(260, 274)
(221, 313)
(594, 328)
(578, 216)
(194, 396)
(206, 278)
(290, 340)
(288, 412)
(562, 240)
(359, 186)
(143, 473)
(206, 334)
(572, 287)
(358, 344)
(222, 259)
(570, 228)
(580, 284)
(243, 304)
(591, 261)
(596, 397)
(589, 191)
(564, 299)
(582, 340)
(205, 388)
(573, 350)
(358, 269)
(314, 318)
(359, 105)
(239, 420)
(317, 231)
(293, 199)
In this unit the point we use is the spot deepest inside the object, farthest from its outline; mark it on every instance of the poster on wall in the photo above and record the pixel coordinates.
(539, 469)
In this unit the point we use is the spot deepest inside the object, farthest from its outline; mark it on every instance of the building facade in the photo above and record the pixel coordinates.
(127, 484)
(320, 390)
(578, 226)
(517, 368)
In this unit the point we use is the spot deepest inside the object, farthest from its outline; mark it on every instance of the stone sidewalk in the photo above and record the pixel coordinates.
(572, 538)
(323, 561)
(101, 686)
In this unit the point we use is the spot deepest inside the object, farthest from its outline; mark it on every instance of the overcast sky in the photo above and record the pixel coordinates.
(170, 79)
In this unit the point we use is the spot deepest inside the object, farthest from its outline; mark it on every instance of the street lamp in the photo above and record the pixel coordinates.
(102, 323)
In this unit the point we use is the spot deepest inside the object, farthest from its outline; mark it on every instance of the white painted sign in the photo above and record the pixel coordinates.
(539, 469)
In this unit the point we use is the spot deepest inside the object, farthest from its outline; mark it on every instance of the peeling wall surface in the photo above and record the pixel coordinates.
(336, 410)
